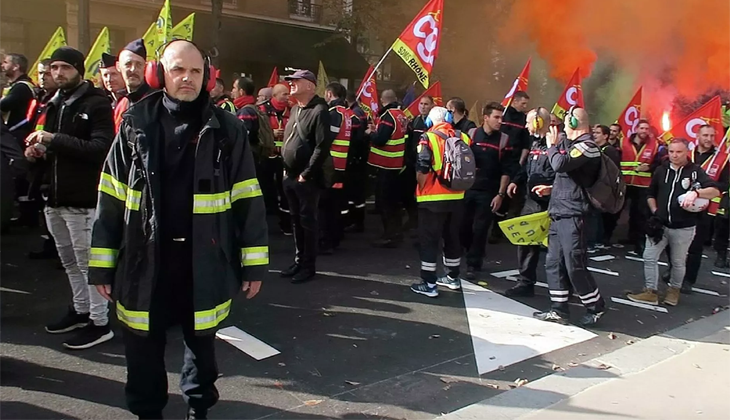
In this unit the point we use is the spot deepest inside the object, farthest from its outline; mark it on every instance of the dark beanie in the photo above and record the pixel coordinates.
(71, 56)
(108, 60)
(137, 47)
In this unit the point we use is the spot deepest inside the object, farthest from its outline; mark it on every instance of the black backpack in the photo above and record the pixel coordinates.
(459, 168)
(608, 193)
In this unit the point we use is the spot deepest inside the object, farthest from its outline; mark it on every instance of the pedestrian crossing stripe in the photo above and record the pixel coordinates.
(640, 305)
(721, 274)
(601, 271)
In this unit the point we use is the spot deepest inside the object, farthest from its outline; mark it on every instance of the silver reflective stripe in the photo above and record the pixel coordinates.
(334, 129)
(560, 292)
(452, 262)
(427, 266)
(255, 256)
(590, 295)
(215, 204)
(360, 206)
(245, 191)
(558, 299)
(220, 313)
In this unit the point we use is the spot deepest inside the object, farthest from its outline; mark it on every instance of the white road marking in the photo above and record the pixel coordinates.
(503, 331)
(721, 274)
(602, 271)
(246, 343)
(705, 291)
(603, 258)
(7, 289)
(503, 274)
(629, 257)
(640, 305)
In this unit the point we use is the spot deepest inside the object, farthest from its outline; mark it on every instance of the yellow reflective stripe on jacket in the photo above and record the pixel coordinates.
(387, 154)
(212, 203)
(256, 255)
(341, 155)
(278, 143)
(716, 199)
(396, 142)
(112, 186)
(205, 320)
(245, 189)
(341, 143)
(436, 152)
(138, 320)
(440, 197)
(103, 257)
(134, 198)
(636, 173)
(630, 163)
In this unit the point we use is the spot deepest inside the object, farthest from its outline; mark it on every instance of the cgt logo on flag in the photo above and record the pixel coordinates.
(427, 48)
(631, 119)
(418, 44)
(571, 95)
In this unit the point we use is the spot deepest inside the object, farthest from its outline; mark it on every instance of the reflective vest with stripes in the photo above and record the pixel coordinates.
(341, 144)
(630, 160)
(713, 166)
(275, 121)
(433, 190)
(391, 155)
(226, 105)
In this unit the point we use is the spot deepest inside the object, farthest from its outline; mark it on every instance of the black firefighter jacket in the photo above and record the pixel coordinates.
(576, 165)
(229, 239)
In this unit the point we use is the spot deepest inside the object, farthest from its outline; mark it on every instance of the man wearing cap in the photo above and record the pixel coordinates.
(74, 134)
(308, 137)
(111, 78)
(131, 65)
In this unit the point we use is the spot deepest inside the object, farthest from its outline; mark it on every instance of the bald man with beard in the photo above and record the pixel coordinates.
(576, 160)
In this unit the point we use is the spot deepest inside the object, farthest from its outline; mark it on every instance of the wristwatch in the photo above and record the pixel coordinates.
(501, 194)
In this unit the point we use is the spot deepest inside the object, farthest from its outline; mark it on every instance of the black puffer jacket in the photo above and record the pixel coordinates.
(83, 130)
(576, 165)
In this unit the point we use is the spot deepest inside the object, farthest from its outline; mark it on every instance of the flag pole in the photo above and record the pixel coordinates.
(373, 72)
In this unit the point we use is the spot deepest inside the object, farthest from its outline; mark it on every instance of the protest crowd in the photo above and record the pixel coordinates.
(153, 188)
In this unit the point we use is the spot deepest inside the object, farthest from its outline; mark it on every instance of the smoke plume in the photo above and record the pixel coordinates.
(670, 47)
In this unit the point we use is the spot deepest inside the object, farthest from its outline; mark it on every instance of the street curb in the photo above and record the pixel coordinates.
(554, 388)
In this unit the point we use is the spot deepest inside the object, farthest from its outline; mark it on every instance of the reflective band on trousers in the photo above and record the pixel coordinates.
(138, 320)
(205, 320)
(257, 255)
(103, 257)
(211, 203)
(245, 189)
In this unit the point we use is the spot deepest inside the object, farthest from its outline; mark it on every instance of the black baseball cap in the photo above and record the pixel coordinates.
(302, 74)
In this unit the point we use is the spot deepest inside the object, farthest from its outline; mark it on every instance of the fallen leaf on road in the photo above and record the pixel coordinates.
(282, 364)
(520, 382)
(483, 283)
(572, 364)
(310, 403)
(353, 383)
(354, 345)
(639, 321)
(581, 354)
(328, 314)
(448, 380)
(434, 336)
(630, 342)
(556, 367)
(689, 320)
(603, 366)
(723, 282)
(278, 385)
(408, 267)
(500, 367)
(697, 366)
(493, 386)
(492, 358)
(374, 293)
(446, 388)
(611, 336)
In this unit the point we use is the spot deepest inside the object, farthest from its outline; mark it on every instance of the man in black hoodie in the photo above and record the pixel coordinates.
(576, 160)
(74, 134)
(308, 137)
(17, 97)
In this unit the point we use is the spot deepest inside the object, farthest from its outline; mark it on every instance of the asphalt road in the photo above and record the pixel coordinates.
(354, 343)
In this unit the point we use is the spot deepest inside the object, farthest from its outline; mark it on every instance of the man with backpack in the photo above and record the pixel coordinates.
(443, 172)
(577, 163)
(485, 197)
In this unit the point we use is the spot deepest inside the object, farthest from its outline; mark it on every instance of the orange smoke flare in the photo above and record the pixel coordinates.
(666, 122)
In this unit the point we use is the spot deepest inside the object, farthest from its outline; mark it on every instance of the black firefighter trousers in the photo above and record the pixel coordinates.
(389, 197)
(528, 256)
(566, 265)
(172, 304)
(432, 228)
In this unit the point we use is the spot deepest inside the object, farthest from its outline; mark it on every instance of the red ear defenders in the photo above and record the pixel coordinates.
(154, 72)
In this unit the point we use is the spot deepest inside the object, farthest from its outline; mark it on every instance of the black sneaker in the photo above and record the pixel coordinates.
(69, 322)
(686, 288)
(721, 261)
(470, 273)
(551, 316)
(194, 414)
(291, 271)
(590, 319)
(303, 276)
(89, 336)
(520, 290)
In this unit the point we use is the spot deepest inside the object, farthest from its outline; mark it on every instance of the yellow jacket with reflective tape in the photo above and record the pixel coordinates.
(229, 234)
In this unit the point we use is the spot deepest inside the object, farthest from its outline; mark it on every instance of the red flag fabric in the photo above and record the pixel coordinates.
(629, 118)
(274, 79)
(418, 45)
(571, 96)
(369, 96)
(709, 113)
(519, 84)
(434, 91)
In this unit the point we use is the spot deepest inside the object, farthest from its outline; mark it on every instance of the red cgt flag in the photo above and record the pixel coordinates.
(519, 84)
(418, 45)
(274, 79)
(434, 91)
(571, 96)
(629, 118)
(709, 113)
(369, 96)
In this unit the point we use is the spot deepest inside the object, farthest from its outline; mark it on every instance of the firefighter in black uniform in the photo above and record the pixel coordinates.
(357, 169)
(180, 229)
(538, 175)
(334, 210)
(576, 161)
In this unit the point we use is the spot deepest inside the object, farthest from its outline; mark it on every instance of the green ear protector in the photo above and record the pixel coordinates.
(572, 121)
